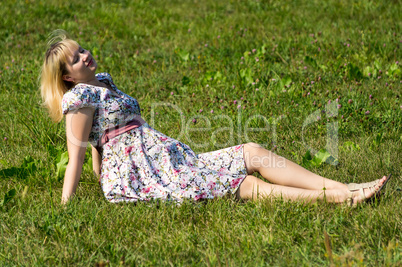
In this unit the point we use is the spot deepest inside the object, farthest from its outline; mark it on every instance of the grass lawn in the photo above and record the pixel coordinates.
(318, 82)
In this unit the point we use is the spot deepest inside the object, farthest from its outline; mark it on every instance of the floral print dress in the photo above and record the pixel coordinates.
(144, 164)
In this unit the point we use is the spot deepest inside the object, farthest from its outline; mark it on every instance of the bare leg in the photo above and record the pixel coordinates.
(253, 188)
(281, 171)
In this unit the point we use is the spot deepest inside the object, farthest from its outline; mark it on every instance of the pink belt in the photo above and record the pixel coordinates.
(118, 130)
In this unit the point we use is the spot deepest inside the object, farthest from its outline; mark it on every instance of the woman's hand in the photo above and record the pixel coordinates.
(78, 128)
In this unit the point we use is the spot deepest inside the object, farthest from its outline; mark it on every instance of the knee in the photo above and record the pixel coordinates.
(245, 187)
(251, 147)
(248, 187)
(252, 152)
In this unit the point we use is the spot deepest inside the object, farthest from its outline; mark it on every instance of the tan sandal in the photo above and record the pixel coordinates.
(360, 187)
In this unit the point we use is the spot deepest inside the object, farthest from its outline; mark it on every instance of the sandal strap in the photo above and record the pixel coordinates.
(369, 185)
(360, 187)
(361, 191)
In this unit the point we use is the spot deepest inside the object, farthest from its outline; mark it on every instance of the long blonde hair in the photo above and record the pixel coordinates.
(53, 87)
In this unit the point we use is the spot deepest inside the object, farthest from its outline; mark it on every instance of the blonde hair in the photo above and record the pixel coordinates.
(53, 87)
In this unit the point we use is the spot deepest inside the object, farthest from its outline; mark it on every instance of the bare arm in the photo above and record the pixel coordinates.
(78, 127)
(96, 161)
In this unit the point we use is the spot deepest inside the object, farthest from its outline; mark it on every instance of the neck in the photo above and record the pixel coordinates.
(93, 81)
(96, 82)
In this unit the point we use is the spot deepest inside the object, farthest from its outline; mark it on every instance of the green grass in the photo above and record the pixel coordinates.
(167, 52)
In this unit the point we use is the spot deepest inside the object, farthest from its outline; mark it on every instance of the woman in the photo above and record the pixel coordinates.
(136, 162)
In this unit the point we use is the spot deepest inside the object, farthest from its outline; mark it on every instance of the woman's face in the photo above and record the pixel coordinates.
(81, 67)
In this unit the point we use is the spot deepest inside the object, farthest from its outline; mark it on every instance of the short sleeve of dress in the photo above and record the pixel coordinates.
(81, 96)
(104, 76)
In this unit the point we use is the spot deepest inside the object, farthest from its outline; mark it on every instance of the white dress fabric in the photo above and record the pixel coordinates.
(144, 164)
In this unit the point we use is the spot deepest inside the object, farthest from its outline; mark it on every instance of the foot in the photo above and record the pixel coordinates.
(361, 192)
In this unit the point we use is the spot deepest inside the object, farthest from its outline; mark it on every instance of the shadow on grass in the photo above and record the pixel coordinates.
(28, 167)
